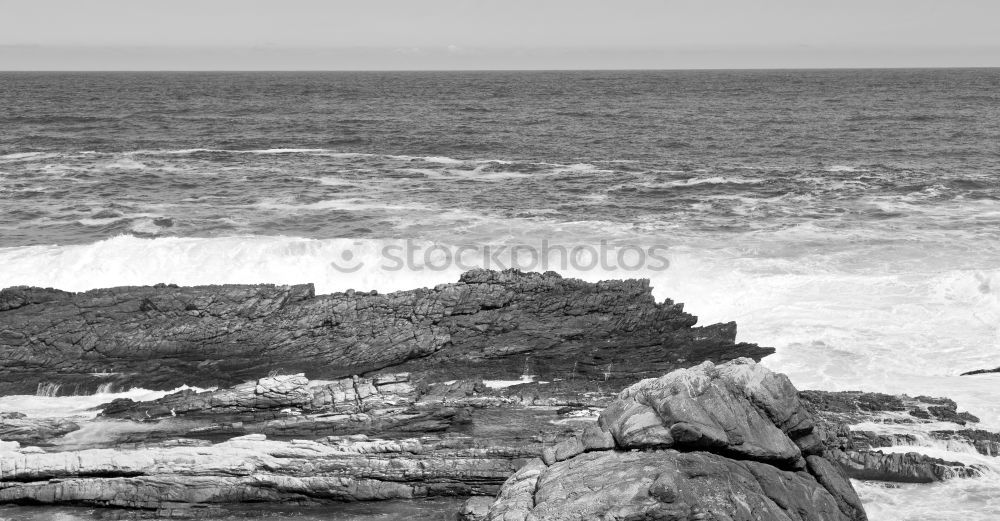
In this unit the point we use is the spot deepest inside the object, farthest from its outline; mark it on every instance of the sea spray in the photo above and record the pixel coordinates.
(965, 499)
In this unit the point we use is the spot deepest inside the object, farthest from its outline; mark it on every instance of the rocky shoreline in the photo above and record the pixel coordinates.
(537, 396)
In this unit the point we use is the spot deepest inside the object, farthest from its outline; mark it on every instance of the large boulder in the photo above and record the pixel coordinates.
(727, 442)
(667, 484)
(740, 409)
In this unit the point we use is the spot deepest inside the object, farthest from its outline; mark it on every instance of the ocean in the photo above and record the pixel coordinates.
(849, 218)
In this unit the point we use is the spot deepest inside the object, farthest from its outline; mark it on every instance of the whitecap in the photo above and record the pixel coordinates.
(76, 406)
(717, 180)
(27, 156)
(845, 168)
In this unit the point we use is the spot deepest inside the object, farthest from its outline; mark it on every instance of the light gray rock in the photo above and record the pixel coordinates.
(739, 408)
(18, 427)
(517, 495)
(734, 432)
(476, 508)
(666, 484)
(253, 468)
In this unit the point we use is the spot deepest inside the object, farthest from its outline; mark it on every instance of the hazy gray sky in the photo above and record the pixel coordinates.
(419, 34)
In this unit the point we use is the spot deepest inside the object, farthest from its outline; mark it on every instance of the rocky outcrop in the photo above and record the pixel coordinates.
(729, 442)
(273, 396)
(292, 406)
(447, 439)
(981, 371)
(985, 442)
(845, 425)
(489, 324)
(447, 391)
(857, 407)
(900, 467)
(738, 409)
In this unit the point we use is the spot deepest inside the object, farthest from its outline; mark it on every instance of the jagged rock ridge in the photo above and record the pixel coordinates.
(501, 324)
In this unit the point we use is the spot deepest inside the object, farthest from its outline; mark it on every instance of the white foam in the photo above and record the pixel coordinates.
(503, 384)
(899, 318)
(348, 204)
(955, 499)
(441, 159)
(715, 180)
(80, 406)
(104, 221)
(286, 151)
(18, 156)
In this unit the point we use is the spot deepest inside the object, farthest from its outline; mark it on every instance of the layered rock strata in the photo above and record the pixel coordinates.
(489, 324)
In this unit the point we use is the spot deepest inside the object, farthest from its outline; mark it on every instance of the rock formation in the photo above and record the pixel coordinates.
(857, 450)
(981, 371)
(253, 469)
(489, 324)
(726, 442)
(529, 386)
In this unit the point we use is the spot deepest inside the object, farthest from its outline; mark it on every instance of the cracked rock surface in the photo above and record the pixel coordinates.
(489, 324)
(726, 442)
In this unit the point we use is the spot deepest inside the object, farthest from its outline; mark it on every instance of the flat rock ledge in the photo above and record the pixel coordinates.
(190, 473)
(722, 442)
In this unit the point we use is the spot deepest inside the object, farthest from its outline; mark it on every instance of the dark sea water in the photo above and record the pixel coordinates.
(850, 218)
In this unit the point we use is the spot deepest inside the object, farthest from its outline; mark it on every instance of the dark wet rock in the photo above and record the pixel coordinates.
(871, 440)
(488, 325)
(981, 371)
(728, 441)
(17, 427)
(852, 402)
(832, 478)
(856, 449)
(909, 467)
(852, 407)
(986, 443)
(163, 222)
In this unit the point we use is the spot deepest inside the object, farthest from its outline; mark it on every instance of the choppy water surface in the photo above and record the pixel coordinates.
(851, 219)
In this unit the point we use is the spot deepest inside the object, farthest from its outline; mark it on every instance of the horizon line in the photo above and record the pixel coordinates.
(599, 69)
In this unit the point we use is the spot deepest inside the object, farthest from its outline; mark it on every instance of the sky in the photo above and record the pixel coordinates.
(490, 34)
